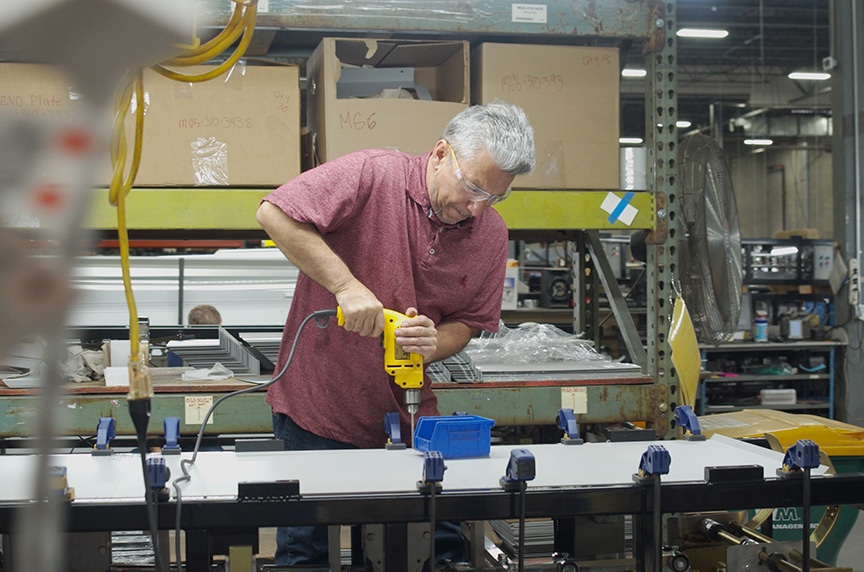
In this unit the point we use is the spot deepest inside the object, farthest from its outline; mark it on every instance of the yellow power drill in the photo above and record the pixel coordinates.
(405, 367)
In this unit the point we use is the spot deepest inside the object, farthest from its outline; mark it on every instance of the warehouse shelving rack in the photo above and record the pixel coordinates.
(230, 212)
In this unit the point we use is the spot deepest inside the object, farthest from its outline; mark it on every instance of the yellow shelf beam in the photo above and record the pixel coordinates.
(180, 209)
(585, 210)
(234, 209)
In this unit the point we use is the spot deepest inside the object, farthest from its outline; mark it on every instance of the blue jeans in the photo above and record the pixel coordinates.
(307, 545)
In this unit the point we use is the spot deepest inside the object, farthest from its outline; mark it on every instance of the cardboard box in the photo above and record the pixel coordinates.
(571, 96)
(35, 91)
(239, 129)
(393, 94)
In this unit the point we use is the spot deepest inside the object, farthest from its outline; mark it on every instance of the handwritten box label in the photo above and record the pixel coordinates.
(575, 398)
(531, 13)
(196, 407)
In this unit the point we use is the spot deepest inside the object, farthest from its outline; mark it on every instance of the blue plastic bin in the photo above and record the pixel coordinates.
(454, 436)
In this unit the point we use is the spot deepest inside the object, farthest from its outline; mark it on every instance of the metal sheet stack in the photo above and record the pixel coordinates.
(227, 350)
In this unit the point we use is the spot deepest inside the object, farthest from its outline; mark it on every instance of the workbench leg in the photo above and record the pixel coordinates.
(357, 557)
(334, 547)
(475, 532)
(643, 541)
(395, 547)
(198, 554)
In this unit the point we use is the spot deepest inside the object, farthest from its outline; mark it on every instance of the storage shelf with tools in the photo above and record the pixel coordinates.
(790, 376)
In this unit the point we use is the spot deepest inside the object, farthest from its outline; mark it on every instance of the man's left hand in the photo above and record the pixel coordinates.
(418, 334)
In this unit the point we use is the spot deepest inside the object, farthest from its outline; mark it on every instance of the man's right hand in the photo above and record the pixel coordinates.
(363, 312)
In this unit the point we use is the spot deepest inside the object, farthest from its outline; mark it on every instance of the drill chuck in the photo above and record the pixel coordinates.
(412, 400)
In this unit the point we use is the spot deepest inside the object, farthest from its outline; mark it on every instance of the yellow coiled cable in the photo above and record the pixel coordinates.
(242, 22)
(245, 28)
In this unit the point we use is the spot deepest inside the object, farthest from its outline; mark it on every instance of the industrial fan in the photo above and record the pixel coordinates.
(709, 240)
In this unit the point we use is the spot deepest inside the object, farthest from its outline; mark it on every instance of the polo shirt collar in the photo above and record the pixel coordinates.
(418, 193)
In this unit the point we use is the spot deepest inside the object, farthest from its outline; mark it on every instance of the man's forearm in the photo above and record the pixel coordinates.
(452, 338)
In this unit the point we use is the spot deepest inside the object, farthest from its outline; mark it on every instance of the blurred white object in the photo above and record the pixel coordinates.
(96, 41)
(634, 168)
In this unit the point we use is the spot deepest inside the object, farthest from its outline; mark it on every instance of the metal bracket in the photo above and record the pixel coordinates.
(661, 228)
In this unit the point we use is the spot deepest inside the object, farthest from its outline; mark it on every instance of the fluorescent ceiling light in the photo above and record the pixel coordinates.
(702, 33)
(628, 72)
(682, 124)
(758, 142)
(630, 140)
(810, 76)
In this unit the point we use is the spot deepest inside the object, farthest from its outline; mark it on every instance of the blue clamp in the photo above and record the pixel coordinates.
(158, 475)
(655, 461)
(433, 467)
(567, 423)
(393, 427)
(105, 431)
(171, 428)
(689, 423)
(803, 455)
(59, 483)
(433, 471)
(521, 468)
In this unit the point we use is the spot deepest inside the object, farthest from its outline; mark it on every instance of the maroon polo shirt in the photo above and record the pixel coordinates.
(373, 209)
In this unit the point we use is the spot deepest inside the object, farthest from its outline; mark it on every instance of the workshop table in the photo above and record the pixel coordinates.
(381, 486)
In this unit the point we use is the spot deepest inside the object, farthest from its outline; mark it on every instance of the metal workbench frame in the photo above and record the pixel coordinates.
(201, 518)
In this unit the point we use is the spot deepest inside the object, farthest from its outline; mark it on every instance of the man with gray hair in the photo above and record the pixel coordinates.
(382, 229)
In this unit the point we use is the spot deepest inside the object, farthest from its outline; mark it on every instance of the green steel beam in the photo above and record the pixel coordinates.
(624, 19)
(249, 414)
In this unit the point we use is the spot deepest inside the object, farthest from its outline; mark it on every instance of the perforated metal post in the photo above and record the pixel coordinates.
(661, 113)
(584, 281)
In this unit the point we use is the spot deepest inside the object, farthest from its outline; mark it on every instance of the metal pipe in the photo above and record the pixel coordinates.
(776, 561)
(856, 135)
(181, 274)
(805, 191)
(658, 524)
(805, 521)
(715, 531)
(740, 529)
(813, 561)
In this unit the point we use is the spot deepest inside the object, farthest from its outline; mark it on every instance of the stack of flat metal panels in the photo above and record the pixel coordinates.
(539, 536)
(227, 350)
(461, 368)
(437, 372)
(264, 343)
(556, 371)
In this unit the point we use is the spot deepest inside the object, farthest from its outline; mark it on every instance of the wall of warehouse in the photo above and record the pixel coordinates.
(761, 180)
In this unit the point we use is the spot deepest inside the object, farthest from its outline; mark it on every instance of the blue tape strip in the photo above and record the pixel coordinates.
(622, 204)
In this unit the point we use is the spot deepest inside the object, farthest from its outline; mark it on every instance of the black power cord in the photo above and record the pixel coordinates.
(139, 411)
(321, 318)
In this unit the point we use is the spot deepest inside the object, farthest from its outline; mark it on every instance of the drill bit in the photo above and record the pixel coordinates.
(412, 403)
